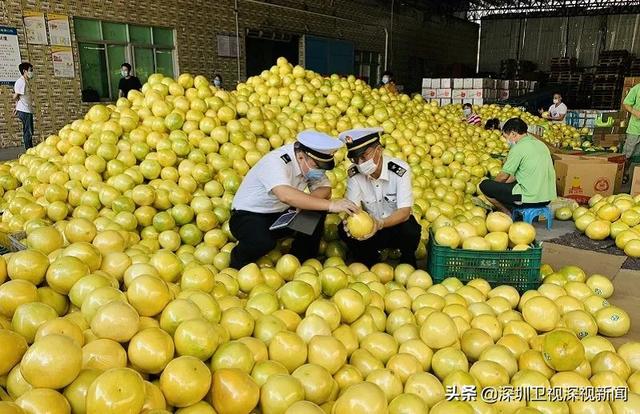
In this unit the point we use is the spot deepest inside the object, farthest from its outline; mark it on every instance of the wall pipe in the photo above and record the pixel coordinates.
(344, 19)
(391, 30)
(236, 12)
(386, 46)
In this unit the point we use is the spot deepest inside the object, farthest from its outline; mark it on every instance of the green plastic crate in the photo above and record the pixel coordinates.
(520, 269)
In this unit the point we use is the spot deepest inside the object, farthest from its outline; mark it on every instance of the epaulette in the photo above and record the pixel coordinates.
(286, 158)
(353, 170)
(397, 169)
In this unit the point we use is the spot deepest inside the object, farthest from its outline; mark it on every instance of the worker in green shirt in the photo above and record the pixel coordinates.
(528, 178)
(631, 104)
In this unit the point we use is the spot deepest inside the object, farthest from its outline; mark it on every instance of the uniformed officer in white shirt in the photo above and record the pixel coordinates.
(382, 186)
(276, 184)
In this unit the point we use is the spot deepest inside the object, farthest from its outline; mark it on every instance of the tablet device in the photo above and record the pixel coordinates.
(301, 221)
(283, 220)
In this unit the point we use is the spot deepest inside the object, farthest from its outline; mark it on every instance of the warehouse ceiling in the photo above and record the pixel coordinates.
(477, 9)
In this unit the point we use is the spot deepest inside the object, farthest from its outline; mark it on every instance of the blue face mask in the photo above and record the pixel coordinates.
(314, 174)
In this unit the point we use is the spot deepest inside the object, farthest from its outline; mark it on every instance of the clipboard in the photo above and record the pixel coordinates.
(302, 221)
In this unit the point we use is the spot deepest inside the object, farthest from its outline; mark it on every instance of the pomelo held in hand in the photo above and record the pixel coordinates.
(360, 224)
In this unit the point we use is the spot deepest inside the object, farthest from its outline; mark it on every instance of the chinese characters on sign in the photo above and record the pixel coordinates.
(9, 55)
(555, 394)
(35, 27)
(62, 58)
(59, 32)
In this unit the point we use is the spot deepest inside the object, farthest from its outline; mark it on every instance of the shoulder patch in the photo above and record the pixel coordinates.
(286, 158)
(397, 169)
(353, 170)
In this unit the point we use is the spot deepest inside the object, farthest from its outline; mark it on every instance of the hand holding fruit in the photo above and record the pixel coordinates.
(378, 224)
(362, 226)
(343, 206)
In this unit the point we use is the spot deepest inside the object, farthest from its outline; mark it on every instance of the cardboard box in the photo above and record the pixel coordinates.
(426, 83)
(446, 101)
(469, 101)
(459, 94)
(618, 159)
(482, 83)
(476, 93)
(458, 83)
(635, 181)
(616, 129)
(560, 155)
(443, 93)
(581, 178)
(489, 93)
(430, 93)
(479, 101)
(504, 94)
(504, 84)
(456, 101)
(468, 83)
(445, 83)
(435, 83)
(608, 140)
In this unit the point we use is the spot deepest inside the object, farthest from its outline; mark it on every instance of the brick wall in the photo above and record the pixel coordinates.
(439, 41)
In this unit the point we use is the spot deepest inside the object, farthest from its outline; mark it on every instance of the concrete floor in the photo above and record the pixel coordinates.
(560, 228)
(11, 153)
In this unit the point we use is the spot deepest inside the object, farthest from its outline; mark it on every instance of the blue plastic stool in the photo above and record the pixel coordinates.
(530, 214)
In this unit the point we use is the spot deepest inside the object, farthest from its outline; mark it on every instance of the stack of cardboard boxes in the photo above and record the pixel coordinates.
(476, 91)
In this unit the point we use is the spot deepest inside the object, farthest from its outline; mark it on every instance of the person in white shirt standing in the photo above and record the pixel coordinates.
(382, 186)
(557, 111)
(24, 105)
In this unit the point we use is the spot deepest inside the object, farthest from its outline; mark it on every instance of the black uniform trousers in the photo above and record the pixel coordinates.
(503, 192)
(404, 236)
(255, 239)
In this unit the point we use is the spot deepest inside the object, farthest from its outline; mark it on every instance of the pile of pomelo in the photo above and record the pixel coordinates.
(157, 336)
(123, 301)
(497, 232)
(555, 134)
(616, 217)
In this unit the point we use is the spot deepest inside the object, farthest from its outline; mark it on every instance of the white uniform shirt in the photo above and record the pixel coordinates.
(279, 167)
(24, 101)
(556, 111)
(382, 196)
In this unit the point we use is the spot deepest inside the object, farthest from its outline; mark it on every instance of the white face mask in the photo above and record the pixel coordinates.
(217, 83)
(466, 111)
(385, 79)
(30, 74)
(124, 73)
(368, 167)
(556, 101)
